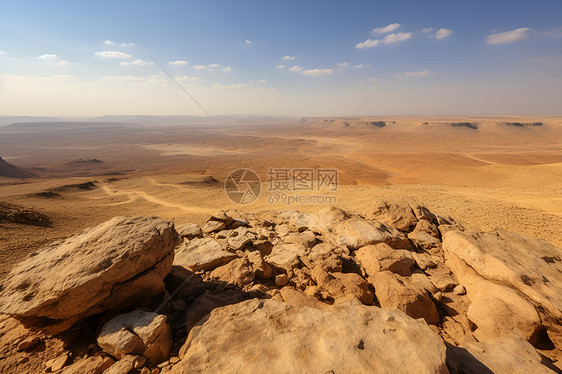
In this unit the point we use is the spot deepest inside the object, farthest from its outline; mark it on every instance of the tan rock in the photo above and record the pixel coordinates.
(260, 268)
(395, 291)
(189, 231)
(305, 238)
(531, 266)
(339, 285)
(394, 214)
(106, 267)
(92, 365)
(505, 355)
(279, 338)
(126, 364)
(202, 254)
(422, 213)
(286, 256)
(380, 257)
(204, 304)
(424, 260)
(357, 232)
(137, 333)
(238, 272)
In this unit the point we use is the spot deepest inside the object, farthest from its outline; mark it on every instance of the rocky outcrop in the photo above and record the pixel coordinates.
(278, 338)
(107, 267)
(137, 333)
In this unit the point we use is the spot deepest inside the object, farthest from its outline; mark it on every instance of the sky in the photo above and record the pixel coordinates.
(291, 58)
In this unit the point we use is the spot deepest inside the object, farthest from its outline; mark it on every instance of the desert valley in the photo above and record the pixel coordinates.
(451, 221)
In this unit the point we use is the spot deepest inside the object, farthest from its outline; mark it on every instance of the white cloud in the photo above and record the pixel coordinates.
(422, 73)
(60, 63)
(342, 64)
(140, 62)
(288, 58)
(2, 52)
(386, 29)
(227, 69)
(396, 38)
(280, 66)
(199, 67)
(113, 54)
(48, 56)
(442, 33)
(213, 66)
(425, 30)
(359, 66)
(108, 42)
(317, 72)
(178, 63)
(188, 78)
(235, 85)
(124, 63)
(508, 36)
(127, 44)
(367, 44)
(296, 68)
(262, 81)
(247, 42)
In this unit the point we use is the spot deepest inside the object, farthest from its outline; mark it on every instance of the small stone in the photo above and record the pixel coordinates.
(459, 290)
(438, 296)
(174, 360)
(57, 363)
(163, 364)
(28, 343)
(281, 280)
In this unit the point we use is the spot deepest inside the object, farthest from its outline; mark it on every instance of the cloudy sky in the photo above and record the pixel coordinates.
(302, 58)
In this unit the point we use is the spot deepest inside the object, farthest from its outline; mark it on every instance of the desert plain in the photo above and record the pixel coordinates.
(488, 173)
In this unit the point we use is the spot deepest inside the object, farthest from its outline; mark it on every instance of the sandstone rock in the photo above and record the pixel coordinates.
(91, 365)
(422, 213)
(509, 355)
(423, 239)
(213, 226)
(137, 333)
(189, 231)
(238, 272)
(57, 363)
(238, 242)
(286, 256)
(260, 268)
(126, 364)
(202, 254)
(106, 267)
(281, 280)
(531, 266)
(424, 260)
(339, 285)
(279, 338)
(459, 290)
(393, 214)
(394, 291)
(306, 238)
(297, 298)
(28, 343)
(325, 256)
(357, 232)
(497, 310)
(380, 257)
(328, 218)
(204, 304)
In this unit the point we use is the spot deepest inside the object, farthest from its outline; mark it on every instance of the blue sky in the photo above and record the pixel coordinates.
(80, 58)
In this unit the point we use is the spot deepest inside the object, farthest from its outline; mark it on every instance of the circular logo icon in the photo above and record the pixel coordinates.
(242, 186)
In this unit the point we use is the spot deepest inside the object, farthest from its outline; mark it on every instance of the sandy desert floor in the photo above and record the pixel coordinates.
(492, 176)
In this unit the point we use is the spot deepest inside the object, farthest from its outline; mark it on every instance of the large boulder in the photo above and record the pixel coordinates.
(267, 336)
(107, 267)
(137, 333)
(357, 232)
(531, 266)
